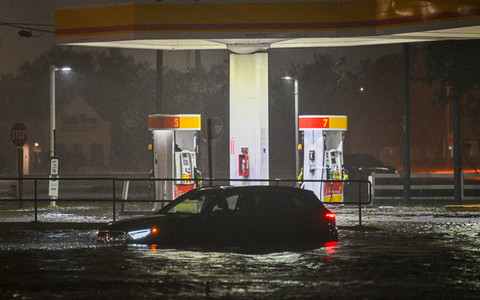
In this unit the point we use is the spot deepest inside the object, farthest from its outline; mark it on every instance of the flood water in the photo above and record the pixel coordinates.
(397, 257)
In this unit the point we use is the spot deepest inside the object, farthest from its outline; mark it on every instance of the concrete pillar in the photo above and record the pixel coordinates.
(249, 114)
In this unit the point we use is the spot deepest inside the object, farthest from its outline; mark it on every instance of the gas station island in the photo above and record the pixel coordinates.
(323, 138)
(174, 153)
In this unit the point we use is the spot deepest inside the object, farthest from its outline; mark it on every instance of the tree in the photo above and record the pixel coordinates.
(453, 67)
(201, 91)
(113, 84)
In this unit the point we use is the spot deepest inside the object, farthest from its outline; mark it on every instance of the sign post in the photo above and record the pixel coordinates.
(53, 182)
(18, 135)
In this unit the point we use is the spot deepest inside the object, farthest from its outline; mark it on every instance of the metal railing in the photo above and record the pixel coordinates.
(433, 186)
(107, 190)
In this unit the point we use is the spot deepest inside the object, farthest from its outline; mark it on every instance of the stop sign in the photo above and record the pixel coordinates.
(19, 134)
(217, 129)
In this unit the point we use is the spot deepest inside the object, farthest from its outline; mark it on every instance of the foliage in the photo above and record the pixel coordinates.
(197, 91)
(322, 83)
(201, 91)
(456, 65)
(114, 85)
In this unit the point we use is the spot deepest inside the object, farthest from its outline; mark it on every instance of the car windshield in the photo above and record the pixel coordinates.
(194, 204)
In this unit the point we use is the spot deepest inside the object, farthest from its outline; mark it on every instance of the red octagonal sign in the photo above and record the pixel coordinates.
(19, 134)
(217, 129)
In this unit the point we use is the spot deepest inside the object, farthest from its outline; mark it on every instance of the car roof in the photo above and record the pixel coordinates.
(252, 188)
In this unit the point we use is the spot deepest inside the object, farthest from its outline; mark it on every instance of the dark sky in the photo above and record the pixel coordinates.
(14, 50)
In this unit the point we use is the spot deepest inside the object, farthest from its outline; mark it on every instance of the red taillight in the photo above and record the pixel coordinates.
(331, 244)
(330, 216)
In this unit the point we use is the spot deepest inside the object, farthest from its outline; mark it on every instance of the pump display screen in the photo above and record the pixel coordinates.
(311, 155)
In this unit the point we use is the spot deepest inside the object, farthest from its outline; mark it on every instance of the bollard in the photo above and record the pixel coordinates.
(360, 204)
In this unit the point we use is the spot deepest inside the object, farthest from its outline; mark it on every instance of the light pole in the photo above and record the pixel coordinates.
(53, 184)
(297, 151)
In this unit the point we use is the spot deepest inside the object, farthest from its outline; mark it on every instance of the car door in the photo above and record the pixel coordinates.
(272, 216)
(230, 219)
(282, 216)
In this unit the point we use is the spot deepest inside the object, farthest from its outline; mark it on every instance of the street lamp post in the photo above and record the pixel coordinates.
(297, 151)
(53, 184)
(52, 110)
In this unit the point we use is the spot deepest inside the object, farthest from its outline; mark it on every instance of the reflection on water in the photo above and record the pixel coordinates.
(404, 260)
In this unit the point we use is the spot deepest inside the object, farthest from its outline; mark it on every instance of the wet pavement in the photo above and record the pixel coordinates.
(400, 252)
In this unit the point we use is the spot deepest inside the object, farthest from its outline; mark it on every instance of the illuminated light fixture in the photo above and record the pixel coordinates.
(154, 230)
(248, 48)
(138, 234)
(331, 244)
(330, 216)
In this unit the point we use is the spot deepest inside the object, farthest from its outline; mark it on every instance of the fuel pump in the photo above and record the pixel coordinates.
(323, 136)
(334, 164)
(175, 153)
(184, 166)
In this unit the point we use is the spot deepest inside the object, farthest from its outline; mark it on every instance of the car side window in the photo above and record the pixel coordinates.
(227, 204)
(192, 205)
(259, 202)
(298, 202)
(273, 201)
(220, 206)
(235, 203)
(245, 203)
(232, 201)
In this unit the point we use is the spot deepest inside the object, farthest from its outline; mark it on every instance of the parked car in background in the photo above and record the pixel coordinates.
(230, 216)
(360, 166)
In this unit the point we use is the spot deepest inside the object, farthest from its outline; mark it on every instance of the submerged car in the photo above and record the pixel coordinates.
(230, 216)
(360, 166)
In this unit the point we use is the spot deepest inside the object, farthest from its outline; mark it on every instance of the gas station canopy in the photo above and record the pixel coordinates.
(249, 26)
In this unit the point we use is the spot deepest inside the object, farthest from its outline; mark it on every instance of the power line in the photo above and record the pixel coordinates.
(26, 29)
(27, 24)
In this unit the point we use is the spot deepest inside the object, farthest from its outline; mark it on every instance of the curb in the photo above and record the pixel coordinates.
(473, 207)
